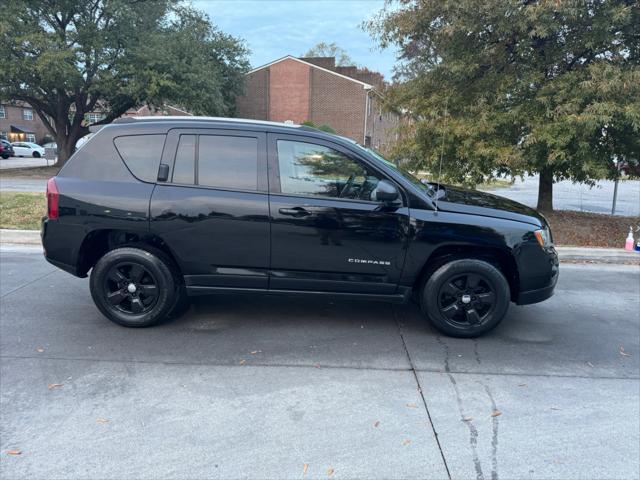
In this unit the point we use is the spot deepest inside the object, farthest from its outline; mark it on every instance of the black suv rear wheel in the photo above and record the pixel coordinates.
(134, 287)
(465, 298)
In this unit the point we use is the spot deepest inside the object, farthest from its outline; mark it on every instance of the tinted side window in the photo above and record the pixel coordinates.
(310, 169)
(141, 154)
(184, 166)
(228, 162)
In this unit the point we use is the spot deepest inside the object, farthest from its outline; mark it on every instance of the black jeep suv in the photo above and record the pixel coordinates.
(159, 209)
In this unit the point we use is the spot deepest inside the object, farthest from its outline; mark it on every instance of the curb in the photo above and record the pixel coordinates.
(598, 255)
(566, 254)
(20, 237)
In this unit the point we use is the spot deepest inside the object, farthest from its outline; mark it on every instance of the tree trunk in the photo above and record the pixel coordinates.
(65, 149)
(67, 145)
(545, 190)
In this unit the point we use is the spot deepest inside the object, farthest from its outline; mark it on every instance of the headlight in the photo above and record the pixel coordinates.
(543, 236)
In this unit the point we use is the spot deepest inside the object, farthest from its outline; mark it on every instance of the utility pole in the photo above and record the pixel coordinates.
(615, 194)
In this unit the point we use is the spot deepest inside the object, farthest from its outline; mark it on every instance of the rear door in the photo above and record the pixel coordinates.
(328, 232)
(213, 210)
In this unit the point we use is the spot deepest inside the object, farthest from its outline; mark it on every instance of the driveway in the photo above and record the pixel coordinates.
(260, 387)
(573, 196)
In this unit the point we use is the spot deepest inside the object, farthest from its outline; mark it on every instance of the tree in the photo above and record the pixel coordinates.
(67, 58)
(324, 127)
(517, 86)
(332, 49)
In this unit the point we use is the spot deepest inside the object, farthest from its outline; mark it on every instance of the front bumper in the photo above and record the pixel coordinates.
(528, 297)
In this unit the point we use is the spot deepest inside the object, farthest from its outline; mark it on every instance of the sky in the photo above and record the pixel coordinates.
(275, 28)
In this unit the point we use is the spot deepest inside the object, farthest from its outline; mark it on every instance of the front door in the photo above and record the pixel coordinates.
(328, 233)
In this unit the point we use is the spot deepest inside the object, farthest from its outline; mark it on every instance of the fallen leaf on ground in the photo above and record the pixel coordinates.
(15, 451)
(412, 405)
(101, 420)
(467, 419)
(406, 442)
(623, 353)
(555, 408)
(522, 384)
(376, 424)
(590, 364)
(496, 413)
(305, 468)
(39, 349)
(330, 472)
(255, 351)
(242, 362)
(53, 386)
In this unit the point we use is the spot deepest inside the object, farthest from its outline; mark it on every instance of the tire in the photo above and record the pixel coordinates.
(153, 296)
(36, 155)
(5, 156)
(465, 298)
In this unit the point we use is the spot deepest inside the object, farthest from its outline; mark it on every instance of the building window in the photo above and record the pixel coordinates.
(93, 117)
(3, 136)
(27, 114)
(2, 112)
(31, 138)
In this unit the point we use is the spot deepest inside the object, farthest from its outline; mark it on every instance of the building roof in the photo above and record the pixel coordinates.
(366, 86)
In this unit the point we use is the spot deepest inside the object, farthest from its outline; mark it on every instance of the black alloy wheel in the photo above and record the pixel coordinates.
(465, 297)
(130, 288)
(135, 287)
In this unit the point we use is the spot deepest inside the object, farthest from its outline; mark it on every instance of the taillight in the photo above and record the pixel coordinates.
(52, 199)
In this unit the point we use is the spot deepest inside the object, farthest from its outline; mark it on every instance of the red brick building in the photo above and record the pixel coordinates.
(348, 99)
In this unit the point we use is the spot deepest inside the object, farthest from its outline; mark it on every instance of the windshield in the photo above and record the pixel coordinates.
(425, 187)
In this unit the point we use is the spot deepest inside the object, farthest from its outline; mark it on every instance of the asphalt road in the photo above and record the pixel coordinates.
(244, 387)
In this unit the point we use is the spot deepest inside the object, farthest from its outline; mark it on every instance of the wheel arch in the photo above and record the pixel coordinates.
(98, 242)
(501, 259)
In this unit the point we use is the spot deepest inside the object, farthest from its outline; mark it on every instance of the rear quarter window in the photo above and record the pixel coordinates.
(141, 154)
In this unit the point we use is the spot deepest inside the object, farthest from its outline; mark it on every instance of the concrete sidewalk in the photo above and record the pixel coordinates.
(567, 254)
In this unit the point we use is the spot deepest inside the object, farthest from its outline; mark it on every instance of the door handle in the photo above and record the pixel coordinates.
(294, 212)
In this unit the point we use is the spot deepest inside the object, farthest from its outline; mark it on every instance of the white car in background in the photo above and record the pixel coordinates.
(27, 149)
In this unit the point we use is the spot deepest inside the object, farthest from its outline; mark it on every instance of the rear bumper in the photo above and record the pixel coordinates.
(57, 249)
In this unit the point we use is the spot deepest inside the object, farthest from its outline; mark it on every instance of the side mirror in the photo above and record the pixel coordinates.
(386, 192)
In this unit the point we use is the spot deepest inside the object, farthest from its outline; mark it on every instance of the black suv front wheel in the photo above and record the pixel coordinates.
(134, 287)
(465, 298)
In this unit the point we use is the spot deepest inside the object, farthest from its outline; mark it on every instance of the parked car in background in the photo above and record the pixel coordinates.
(6, 149)
(27, 149)
(159, 208)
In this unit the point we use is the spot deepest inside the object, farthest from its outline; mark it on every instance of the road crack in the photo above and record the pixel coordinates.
(420, 390)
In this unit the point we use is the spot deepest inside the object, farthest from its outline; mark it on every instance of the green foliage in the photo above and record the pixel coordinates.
(67, 58)
(332, 49)
(324, 127)
(517, 86)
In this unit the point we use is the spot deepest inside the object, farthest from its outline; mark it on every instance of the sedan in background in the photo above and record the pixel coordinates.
(27, 149)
